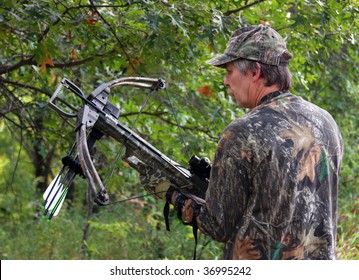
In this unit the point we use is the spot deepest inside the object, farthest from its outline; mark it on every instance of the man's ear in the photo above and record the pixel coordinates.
(258, 73)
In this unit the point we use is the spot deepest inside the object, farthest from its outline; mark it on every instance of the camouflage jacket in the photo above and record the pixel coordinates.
(274, 180)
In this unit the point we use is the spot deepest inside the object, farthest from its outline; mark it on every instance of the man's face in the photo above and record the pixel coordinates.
(238, 86)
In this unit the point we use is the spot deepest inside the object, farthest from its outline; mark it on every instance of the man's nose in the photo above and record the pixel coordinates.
(225, 81)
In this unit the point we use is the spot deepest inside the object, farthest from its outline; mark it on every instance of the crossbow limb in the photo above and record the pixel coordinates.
(98, 117)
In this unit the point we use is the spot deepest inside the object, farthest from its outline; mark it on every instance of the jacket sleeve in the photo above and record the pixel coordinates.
(228, 189)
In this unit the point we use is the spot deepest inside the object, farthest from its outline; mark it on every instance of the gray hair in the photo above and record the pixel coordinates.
(274, 75)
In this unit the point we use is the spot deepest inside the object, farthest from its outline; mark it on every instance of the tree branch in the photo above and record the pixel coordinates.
(9, 68)
(117, 38)
(6, 81)
(30, 61)
(229, 12)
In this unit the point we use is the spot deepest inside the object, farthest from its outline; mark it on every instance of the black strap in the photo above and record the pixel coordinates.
(195, 231)
(194, 226)
(179, 205)
(166, 212)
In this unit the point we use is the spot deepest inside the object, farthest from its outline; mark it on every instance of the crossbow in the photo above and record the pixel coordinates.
(98, 117)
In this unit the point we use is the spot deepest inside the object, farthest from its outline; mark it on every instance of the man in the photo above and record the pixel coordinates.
(272, 191)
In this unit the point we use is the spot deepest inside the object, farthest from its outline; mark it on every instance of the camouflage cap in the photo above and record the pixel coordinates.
(259, 43)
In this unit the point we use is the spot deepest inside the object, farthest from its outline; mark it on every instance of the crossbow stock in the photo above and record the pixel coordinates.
(98, 117)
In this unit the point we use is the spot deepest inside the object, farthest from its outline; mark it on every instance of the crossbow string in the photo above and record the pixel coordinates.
(98, 117)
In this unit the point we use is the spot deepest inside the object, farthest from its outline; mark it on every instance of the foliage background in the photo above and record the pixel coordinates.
(92, 42)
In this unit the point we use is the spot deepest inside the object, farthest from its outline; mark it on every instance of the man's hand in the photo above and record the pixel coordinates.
(187, 205)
